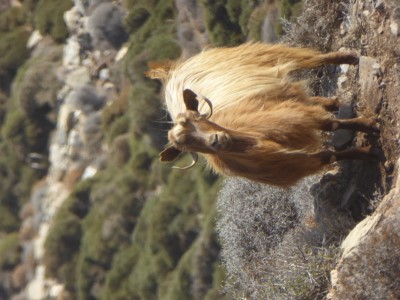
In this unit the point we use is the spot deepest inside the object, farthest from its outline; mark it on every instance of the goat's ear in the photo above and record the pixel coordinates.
(189, 97)
(170, 154)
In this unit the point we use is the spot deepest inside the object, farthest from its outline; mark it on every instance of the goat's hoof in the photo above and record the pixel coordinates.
(333, 104)
(352, 59)
(375, 153)
(371, 126)
(375, 127)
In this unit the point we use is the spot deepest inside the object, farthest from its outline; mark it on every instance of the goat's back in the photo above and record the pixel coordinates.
(226, 76)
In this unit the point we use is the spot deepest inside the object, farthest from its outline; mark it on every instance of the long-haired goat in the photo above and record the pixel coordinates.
(251, 120)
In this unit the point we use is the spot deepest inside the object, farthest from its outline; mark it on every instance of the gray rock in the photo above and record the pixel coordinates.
(192, 33)
(86, 99)
(81, 5)
(104, 74)
(71, 56)
(394, 28)
(341, 138)
(72, 19)
(77, 77)
(34, 39)
(370, 92)
(106, 27)
(380, 5)
(370, 253)
(85, 41)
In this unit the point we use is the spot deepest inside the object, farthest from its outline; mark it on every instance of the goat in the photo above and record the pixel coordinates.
(251, 120)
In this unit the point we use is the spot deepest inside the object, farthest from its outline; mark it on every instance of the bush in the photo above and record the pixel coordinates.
(144, 108)
(136, 18)
(49, 18)
(14, 127)
(253, 219)
(12, 18)
(14, 53)
(288, 10)
(62, 246)
(121, 152)
(117, 108)
(226, 21)
(9, 251)
(3, 108)
(37, 91)
(273, 246)
(165, 256)
(119, 126)
(8, 219)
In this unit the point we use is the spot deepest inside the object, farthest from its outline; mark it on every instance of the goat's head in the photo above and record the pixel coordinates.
(194, 132)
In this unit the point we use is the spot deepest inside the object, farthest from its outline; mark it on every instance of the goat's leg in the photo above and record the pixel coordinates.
(338, 58)
(288, 168)
(358, 124)
(308, 58)
(361, 153)
(329, 104)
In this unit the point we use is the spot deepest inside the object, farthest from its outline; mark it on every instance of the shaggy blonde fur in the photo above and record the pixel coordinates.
(227, 76)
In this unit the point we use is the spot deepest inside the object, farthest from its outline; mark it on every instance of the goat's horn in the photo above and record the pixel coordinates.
(211, 107)
(195, 158)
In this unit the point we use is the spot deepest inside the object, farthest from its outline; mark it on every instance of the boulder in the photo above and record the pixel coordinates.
(77, 77)
(106, 27)
(369, 266)
(71, 58)
(72, 19)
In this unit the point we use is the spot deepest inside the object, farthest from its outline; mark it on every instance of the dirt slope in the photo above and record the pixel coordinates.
(369, 265)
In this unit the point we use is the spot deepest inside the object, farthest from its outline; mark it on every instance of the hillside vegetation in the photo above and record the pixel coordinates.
(137, 229)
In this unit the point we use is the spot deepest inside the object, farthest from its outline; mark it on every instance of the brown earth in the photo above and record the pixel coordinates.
(369, 266)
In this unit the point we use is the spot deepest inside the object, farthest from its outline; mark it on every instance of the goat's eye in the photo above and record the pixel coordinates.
(214, 141)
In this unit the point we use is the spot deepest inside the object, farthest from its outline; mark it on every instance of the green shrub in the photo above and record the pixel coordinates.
(117, 108)
(38, 89)
(162, 47)
(14, 127)
(3, 108)
(144, 107)
(136, 18)
(288, 9)
(78, 203)
(115, 286)
(8, 218)
(118, 127)
(226, 21)
(105, 226)
(12, 18)
(13, 51)
(121, 151)
(9, 251)
(62, 246)
(49, 18)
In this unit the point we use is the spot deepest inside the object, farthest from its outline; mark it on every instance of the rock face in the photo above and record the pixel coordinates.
(76, 150)
(106, 28)
(192, 34)
(369, 267)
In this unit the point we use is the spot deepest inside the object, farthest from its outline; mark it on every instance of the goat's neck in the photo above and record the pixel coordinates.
(241, 142)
